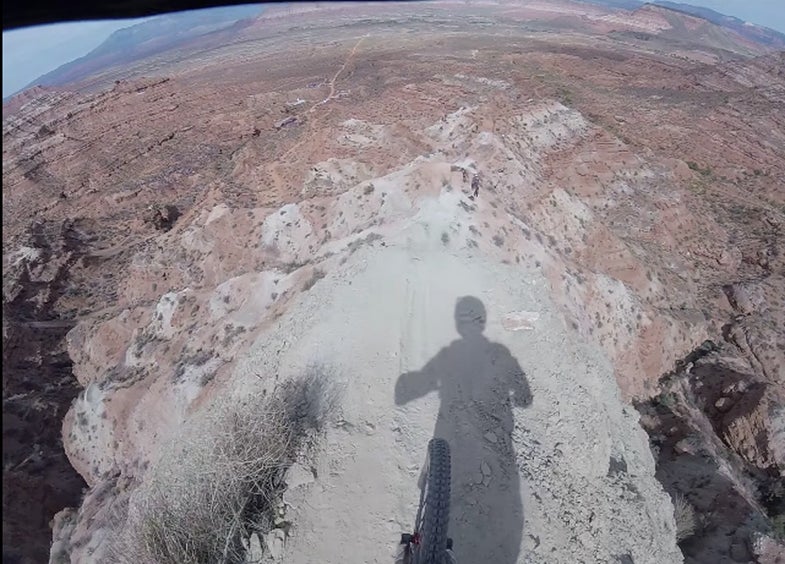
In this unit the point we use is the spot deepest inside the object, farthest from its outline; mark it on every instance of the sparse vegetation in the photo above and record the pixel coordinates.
(697, 168)
(684, 514)
(565, 96)
(445, 237)
(230, 332)
(143, 338)
(357, 243)
(45, 131)
(162, 217)
(316, 275)
(197, 358)
(222, 481)
(778, 524)
(290, 267)
(667, 399)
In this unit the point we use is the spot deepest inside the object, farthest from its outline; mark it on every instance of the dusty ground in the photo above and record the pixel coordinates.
(547, 464)
(634, 178)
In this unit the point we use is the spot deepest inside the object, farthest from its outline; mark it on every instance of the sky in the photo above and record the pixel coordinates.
(770, 13)
(31, 52)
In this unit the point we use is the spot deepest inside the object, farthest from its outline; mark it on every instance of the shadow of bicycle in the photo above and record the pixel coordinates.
(478, 382)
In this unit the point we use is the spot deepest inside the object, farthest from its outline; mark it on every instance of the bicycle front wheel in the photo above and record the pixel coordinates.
(433, 515)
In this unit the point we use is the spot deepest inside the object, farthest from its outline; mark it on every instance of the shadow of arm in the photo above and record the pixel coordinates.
(409, 387)
(519, 385)
(521, 394)
(413, 385)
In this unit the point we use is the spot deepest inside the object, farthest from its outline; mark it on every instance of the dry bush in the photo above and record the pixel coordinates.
(316, 275)
(222, 480)
(684, 514)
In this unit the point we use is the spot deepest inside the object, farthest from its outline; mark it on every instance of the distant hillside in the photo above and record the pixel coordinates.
(168, 31)
(753, 32)
(147, 38)
(622, 4)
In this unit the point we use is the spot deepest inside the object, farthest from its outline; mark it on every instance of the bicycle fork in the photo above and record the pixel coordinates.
(411, 540)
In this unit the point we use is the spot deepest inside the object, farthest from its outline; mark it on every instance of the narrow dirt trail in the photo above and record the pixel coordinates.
(411, 336)
(349, 57)
(313, 121)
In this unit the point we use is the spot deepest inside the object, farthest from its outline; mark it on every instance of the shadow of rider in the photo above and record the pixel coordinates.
(479, 382)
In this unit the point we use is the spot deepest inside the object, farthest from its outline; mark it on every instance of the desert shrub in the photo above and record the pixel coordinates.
(778, 526)
(667, 399)
(162, 217)
(222, 479)
(697, 168)
(316, 275)
(684, 514)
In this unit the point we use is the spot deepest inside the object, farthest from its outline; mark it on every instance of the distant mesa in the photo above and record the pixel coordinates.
(150, 37)
(199, 28)
(15, 102)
